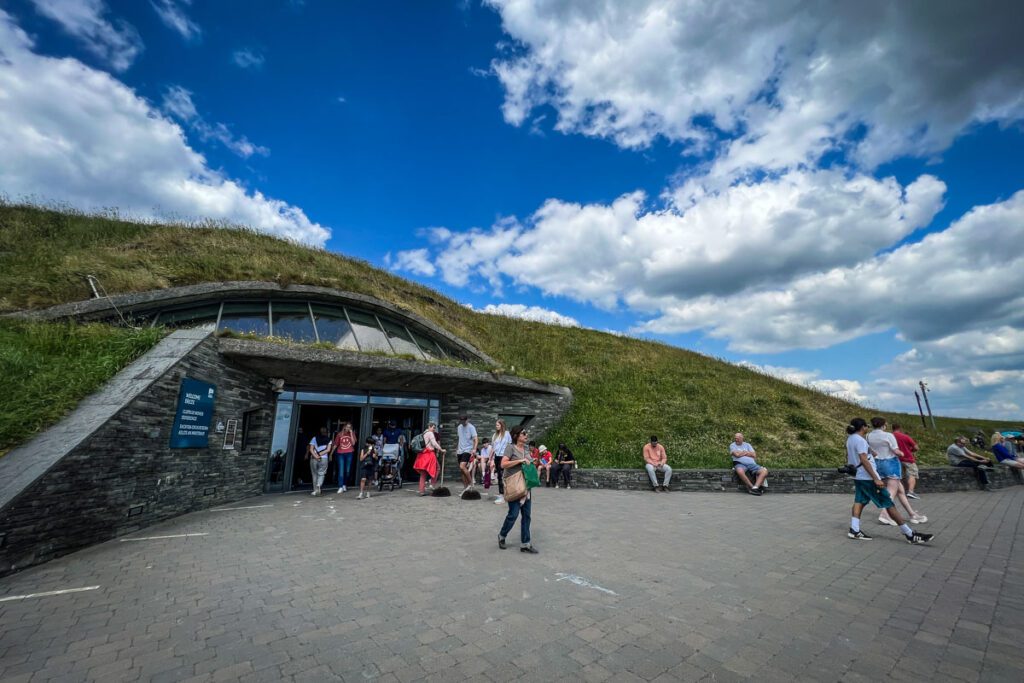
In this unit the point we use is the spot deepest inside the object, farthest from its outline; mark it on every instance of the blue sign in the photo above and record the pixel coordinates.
(195, 409)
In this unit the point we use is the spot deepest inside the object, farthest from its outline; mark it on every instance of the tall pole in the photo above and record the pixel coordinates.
(927, 404)
(920, 410)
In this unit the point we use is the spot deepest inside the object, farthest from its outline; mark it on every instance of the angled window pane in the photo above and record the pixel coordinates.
(333, 327)
(292, 321)
(399, 338)
(428, 346)
(368, 332)
(245, 317)
(198, 316)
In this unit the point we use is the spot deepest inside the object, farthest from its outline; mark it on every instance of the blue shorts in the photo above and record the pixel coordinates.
(747, 463)
(866, 492)
(889, 468)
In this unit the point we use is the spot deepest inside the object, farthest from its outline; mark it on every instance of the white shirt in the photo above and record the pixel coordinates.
(883, 444)
(467, 433)
(321, 449)
(855, 446)
(501, 443)
(738, 448)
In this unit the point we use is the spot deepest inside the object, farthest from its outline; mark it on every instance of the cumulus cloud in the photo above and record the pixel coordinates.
(177, 101)
(114, 41)
(74, 134)
(415, 261)
(846, 389)
(952, 281)
(747, 235)
(173, 14)
(248, 58)
(533, 313)
(781, 82)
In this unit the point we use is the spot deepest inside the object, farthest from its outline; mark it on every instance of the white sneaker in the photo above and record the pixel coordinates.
(313, 492)
(568, 487)
(884, 519)
(360, 496)
(557, 486)
(918, 519)
(367, 495)
(342, 490)
(911, 494)
(499, 500)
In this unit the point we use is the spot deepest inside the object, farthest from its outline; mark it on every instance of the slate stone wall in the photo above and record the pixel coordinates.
(124, 476)
(484, 408)
(932, 480)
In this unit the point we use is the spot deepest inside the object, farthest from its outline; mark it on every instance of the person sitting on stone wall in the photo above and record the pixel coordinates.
(1004, 454)
(656, 460)
(960, 456)
(745, 466)
(563, 466)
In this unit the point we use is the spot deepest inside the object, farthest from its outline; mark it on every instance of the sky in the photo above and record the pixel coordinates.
(829, 192)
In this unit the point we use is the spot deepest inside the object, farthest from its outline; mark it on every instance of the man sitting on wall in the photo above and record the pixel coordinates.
(959, 456)
(743, 463)
(656, 460)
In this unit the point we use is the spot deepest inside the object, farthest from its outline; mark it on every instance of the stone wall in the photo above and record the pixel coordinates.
(933, 480)
(124, 476)
(483, 409)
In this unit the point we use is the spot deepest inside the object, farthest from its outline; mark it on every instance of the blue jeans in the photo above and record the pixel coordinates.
(514, 509)
(344, 463)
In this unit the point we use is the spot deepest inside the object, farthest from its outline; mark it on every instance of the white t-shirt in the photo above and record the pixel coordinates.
(883, 444)
(320, 449)
(855, 445)
(467, 433)
(485, 452)
(501, 443)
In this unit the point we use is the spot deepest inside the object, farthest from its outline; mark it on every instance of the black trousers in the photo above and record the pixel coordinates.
(500, 474)
(561, 469)
(980, 474)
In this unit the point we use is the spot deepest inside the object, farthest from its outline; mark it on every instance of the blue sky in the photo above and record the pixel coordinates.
(793, 163)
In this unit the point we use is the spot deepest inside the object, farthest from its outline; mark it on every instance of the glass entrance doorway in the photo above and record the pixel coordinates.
(399, 425)
(311, 419)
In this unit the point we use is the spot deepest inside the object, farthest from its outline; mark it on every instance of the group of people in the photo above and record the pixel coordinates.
(753, 475)
(343, 448)
(482, 458)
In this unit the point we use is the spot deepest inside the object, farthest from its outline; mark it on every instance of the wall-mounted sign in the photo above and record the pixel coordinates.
(229, 435)
(195, 409)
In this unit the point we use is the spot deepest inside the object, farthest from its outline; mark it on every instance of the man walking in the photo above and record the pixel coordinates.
(743, 462)
(656, 460)
(959, 456)
(907, 460)
(466, 451)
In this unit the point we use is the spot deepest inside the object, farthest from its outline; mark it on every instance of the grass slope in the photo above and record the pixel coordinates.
(626, 389)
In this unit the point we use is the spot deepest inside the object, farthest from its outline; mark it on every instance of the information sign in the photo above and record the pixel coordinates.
(195, 409)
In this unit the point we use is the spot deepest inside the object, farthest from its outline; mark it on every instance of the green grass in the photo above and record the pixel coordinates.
(625, 389)
(49, 367)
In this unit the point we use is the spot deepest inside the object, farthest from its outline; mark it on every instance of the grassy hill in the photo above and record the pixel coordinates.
(626, 389)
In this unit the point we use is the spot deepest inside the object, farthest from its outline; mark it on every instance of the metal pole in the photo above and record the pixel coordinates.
(920, 410)
(927, 404)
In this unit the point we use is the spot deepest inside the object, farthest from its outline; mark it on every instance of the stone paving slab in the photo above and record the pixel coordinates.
(628, 587)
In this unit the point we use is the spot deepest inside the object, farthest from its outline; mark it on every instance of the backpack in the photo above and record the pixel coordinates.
(417, 444)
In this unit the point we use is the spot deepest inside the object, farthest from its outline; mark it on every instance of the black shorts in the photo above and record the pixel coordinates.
(465, 457)
(368, 472)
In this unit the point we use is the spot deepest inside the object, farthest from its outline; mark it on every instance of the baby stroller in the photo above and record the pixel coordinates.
(389, 470)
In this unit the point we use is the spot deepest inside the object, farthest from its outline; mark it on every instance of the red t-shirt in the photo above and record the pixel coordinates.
(345, 442)
(907, 445)
(535, 455)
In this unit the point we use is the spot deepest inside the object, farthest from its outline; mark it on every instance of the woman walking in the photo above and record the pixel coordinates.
(500, 441)
(516, 454)
(426, 461)
(344, 449)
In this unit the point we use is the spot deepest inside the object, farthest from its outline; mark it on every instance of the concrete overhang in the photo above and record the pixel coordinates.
(312, 367)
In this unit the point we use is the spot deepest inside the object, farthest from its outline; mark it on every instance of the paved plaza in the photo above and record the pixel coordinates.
(628, 586)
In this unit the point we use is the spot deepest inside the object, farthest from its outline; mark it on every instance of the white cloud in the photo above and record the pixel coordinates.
(177, 102)
(247, 58)
(415, 261)
(952, 281)
(70, 133)
(784, 81)
(173, 14)
(532, 313)
(114, 41)
(846, 389)
(747, 235)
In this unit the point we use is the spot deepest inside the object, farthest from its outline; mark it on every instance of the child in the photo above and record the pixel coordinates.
(485, 462)
(545, 464)
(367, 465)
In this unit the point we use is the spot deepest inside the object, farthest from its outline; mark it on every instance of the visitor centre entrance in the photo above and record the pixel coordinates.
(300, 415)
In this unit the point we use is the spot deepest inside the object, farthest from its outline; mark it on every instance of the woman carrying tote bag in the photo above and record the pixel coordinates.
(516, 494)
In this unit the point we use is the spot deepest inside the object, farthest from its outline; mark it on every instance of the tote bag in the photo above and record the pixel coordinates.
(515, 487)
(531, 476)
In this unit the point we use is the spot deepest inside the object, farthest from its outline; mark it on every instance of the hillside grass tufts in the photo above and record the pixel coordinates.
(625, 389)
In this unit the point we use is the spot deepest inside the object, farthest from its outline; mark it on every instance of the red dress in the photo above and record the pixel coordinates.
(426, 461)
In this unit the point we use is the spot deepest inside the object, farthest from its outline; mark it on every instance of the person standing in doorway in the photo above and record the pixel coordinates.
(500, 440)
(344, 447)
(426, 460)
(907, 460)
(466, 451)
(656, 460)
(516, 454)
(869, 487)
(319, 452)
(367, 466)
